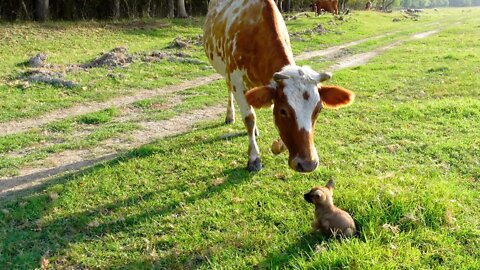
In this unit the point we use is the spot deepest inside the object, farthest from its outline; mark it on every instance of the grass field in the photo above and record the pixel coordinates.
(405, 157)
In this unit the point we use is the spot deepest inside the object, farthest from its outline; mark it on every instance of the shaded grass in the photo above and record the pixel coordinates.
(405, 154)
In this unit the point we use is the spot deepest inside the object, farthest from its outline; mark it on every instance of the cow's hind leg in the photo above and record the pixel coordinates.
(249, 119)
(230, 118)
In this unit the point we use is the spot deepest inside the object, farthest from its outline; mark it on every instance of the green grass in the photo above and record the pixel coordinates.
(100, 117)
(406, 154)
(67, 43)
(89, 130)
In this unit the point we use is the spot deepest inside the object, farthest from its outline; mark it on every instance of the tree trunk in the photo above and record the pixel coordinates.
(116, 9)
(41, 10)
(288, 6)
(171, 9)
(146, 9)
(182, 13)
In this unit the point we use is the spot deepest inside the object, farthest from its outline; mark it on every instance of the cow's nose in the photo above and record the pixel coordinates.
(307, 166)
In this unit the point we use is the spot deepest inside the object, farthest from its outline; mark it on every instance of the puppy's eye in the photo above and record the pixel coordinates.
(317, 196)
(283, 112)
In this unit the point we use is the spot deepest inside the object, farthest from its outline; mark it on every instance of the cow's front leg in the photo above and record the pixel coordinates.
(230, 118)
(254, 162)
(249, 119)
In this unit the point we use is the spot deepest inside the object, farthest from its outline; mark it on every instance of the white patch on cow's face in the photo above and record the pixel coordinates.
(302, 83)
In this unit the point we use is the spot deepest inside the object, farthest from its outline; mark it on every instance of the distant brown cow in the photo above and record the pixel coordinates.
(368, 5)
(321, 6)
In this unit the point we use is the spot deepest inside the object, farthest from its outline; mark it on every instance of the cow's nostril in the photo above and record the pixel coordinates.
(307, 166)
(300, 167)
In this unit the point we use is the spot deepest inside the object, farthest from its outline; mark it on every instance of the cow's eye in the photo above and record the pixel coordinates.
(283, 112)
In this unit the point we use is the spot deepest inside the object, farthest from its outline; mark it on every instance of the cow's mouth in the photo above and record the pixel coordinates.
(303, 166)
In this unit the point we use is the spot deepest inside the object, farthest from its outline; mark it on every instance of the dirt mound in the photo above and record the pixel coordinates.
(317, 30)
(180, 43)
(48, 77)
(37, 61)
(117, 57)
(156, 56)
(40, 71)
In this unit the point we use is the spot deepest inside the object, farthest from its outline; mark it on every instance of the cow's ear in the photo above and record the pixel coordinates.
(334, 97)
(259, 97)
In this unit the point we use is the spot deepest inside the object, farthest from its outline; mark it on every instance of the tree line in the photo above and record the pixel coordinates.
(41, 10)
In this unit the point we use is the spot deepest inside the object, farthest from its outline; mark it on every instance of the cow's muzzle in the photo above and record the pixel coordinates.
(300, 165)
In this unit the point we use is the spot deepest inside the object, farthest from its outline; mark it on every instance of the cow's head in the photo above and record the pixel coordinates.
(298, 97)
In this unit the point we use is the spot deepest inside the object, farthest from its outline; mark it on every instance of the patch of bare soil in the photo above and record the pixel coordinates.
(117, 57)
(37, 61)
(317, 30)
(179, 57)
(46, 76)
(180, 43)
(424, 34)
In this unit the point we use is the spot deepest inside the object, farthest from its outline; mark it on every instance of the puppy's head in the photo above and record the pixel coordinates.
(320, 195)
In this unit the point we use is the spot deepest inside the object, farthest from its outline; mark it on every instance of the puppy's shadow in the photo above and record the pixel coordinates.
(305, 245)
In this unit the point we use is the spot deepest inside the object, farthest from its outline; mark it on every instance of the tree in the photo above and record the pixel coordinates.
(182, 13)
(41, 10)
(387, 4)
(288, 6)
(171, 9)
(116, 9)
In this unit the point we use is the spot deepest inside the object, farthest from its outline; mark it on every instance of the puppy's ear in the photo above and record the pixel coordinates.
(330, 184)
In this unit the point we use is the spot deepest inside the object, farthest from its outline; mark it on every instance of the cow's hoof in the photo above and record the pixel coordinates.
(255, 165)
(229, 121)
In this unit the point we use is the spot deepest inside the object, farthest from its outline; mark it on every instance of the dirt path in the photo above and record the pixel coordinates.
(70, 161)
(24, 125)
(335, 49)
(13, 127)
(363, 58)
(75, 160)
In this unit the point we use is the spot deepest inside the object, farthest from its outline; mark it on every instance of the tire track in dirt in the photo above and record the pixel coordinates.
(71, 161)
(363, 58)
(75, 160)
(13, 127)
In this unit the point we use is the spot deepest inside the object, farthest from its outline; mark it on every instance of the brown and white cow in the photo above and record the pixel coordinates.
(321, 6)
(247, 42)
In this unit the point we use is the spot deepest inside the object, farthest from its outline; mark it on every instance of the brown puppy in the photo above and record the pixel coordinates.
(329, 219)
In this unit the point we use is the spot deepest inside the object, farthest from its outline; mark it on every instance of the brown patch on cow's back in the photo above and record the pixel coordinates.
(259, 57)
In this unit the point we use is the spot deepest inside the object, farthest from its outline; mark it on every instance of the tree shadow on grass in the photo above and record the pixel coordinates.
(306, 245)
(26, 230)
(47, 177)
